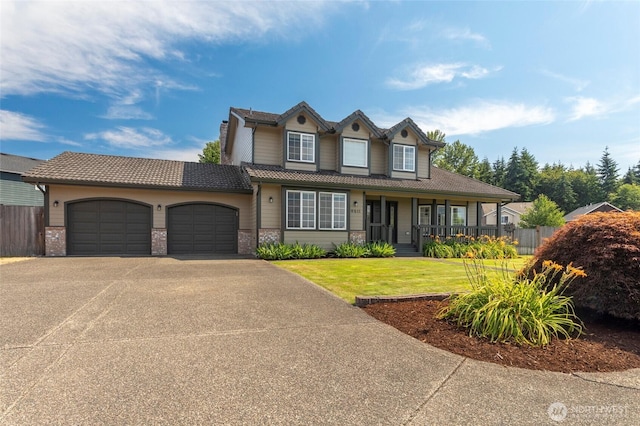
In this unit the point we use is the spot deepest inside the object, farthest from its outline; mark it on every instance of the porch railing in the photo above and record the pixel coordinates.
(378, 232)
(421, 233)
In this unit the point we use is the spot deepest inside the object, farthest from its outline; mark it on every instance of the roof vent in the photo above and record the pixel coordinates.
(404, 133)
(302, 119)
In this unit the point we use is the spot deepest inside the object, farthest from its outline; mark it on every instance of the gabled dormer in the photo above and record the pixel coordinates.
(357, 138)
(409, 151)
(302, 126)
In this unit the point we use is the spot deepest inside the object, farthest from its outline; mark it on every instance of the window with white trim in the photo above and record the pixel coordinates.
(354, 152)
(301, 210)
(458, 216)
(301, 147)
(404, 158)
(424, 215)
(332, 210)
(504, 220)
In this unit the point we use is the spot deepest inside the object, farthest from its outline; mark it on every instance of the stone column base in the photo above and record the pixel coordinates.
(55, 241)
(269, 235)
(159, 242)
(246, 241)
(358, 237)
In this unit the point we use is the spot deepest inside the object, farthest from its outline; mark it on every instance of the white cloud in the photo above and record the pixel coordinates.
(16, 126)
(479, 117)
(66, 141)
(465, 34)
(578, 84)
(183, 154)
(127, 137)
(423, 75)
(70, 47)
(586, 107)
(126, 112)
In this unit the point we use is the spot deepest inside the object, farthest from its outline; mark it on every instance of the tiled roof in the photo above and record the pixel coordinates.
(518, 208)
(441, 182)
(17, 164)
(79, 168)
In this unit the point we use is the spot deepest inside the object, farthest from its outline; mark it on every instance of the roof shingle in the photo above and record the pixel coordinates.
(17, 164)
(441, 182)
(80, 168)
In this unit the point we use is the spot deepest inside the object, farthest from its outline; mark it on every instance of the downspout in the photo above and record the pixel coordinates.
(258, 213)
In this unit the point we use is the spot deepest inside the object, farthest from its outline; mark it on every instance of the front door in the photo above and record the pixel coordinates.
(389, 231)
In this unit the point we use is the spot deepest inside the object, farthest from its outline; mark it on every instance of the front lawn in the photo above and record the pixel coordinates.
(348, 278)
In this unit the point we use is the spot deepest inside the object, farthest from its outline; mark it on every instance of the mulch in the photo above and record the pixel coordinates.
(607, 344)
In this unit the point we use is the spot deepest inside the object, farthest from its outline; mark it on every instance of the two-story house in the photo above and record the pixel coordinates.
(286, 177)
(326, 182)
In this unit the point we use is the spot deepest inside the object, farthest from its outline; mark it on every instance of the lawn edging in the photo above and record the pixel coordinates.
(362, 301)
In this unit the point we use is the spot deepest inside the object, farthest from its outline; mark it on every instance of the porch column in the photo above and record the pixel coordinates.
(478, 217)
(384, 232)
(447, 218)
(414, 219)
(434, 218)
(499, 219)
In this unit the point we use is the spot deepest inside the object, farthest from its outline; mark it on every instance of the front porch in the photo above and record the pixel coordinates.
(410, 221)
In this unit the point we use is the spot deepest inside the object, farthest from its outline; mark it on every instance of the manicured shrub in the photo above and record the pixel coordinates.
(508, 308)
(607, 247)
(381, 249)
(281, 251)
(484, 247)
(373, 249)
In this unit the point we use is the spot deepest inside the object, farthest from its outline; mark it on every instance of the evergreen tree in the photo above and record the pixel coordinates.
(636, 171)
(522, 174)
(586, 186)
(555, 183)
(544, 212)
(629, 177)
(484, 172)
(499, 172)
(608, 173)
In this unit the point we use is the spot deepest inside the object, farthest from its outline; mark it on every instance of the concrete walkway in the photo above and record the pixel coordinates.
(239, 341)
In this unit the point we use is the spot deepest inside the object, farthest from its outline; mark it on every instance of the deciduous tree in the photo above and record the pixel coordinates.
(544, 212)
(210, 153)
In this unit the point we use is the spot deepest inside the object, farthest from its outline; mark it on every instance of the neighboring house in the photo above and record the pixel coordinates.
(13, 191)
(287, 177)
(510, 213)
(602, 207)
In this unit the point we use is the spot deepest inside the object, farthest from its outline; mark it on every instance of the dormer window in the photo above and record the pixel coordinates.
(301, 147)
(404, 158)
(354, 152)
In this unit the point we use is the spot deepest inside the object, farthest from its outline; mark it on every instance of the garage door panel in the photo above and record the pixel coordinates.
(101, 227)
(201, 228)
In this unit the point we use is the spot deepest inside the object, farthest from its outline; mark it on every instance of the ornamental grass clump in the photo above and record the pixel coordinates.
(355, 250)
(483, 247)
(282, 251)
(503, 307)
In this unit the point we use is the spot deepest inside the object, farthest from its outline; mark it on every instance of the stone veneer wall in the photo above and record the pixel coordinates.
(358, 237)
(159, 242)
(55, 241)
(245, 241)
(268, 235)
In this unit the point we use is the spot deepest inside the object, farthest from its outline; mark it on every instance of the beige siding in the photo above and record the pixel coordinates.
(268, 146)
(403, 175)
(356, 213)
(423, 163)
(355, 171)
(362, 133)
(328, 153)
(379, 158)
(294, 165)
(242, 144)
(411, 139)
(404, 220)
(324, 239)
(472, 208)
(65, 193)
(309, 126)
(271, 211)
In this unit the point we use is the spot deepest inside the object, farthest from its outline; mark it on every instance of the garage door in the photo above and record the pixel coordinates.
(202, 229)
(102, 227)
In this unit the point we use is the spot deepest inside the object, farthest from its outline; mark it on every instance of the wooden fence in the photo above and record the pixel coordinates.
(21, 231)
(530, 239)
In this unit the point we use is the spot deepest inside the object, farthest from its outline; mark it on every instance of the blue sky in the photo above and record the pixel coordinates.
(155, 79)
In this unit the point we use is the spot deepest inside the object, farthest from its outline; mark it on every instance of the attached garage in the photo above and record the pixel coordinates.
(202, 228)
(108, 227)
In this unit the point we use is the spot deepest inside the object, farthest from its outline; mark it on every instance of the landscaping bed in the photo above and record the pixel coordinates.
(606, 345)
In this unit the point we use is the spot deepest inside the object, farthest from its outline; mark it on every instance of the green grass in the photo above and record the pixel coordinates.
(348, 278)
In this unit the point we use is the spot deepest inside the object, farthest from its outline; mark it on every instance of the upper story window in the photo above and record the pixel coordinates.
(404, 158)
(301, 147)
(354, 152)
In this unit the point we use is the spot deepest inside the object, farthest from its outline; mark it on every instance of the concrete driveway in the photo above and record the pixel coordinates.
(237, 341)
